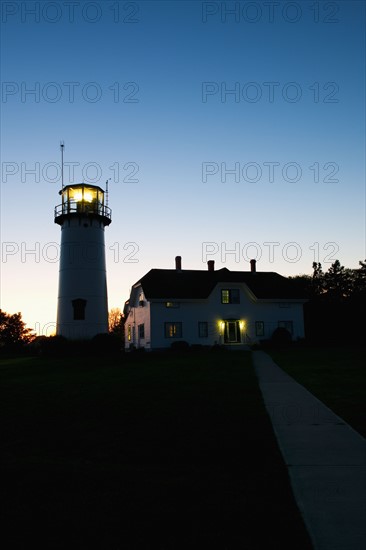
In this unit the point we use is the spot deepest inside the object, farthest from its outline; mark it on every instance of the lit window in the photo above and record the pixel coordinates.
(172, 304)
(173, 330)
(142, 331)
(129, 333)
(202, 329)
(225, 297)
(230, 296)
(79, 306)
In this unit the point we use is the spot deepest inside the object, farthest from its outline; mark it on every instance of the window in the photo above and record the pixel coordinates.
(129, 333)
(172, 304)
(142, 331)
(230, 296)
(173, 330)
(202, 329)
(79, 309)
(259, 328)
(288, 325)
(141, 300)
(225, 296)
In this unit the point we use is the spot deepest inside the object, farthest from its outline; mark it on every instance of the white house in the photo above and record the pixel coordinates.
(208, 307)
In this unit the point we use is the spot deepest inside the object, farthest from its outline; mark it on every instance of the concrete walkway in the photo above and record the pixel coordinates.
(326, 459)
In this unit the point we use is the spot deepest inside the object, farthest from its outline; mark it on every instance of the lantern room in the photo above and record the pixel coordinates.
(82, 199)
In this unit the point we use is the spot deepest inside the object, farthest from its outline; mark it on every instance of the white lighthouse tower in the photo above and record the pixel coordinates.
(82, 310)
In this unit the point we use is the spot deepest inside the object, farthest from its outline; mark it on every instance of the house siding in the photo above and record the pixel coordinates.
(138, 315)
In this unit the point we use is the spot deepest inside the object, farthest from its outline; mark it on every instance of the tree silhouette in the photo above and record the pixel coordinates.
(317, 279)
(13, 331)
(338, 282)
(116, 322)
(360, 281)
(336, 303)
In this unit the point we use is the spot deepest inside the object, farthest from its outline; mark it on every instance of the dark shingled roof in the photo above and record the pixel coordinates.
(195, 284)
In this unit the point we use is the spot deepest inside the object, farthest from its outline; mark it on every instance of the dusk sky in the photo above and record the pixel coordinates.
(224, 126)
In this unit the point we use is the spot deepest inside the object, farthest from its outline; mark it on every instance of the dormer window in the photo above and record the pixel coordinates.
(141, 299)
(230, 296)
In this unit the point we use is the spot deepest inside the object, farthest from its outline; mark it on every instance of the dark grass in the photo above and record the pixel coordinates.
(156, 452)
(336, 375)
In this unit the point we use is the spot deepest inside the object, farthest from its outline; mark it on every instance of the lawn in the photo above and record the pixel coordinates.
(158, 452)
(335, 375)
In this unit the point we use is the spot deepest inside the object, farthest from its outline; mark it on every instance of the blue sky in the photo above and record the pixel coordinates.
(149, 98)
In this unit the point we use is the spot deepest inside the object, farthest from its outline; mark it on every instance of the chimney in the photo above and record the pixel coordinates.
(211, 265)
(178, 263)
(252, 266)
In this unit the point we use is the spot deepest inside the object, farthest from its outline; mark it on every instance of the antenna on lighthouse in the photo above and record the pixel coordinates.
(106, 191)
(62, 145)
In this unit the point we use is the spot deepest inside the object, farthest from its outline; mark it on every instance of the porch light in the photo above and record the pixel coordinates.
(221, 325)
(242, 325)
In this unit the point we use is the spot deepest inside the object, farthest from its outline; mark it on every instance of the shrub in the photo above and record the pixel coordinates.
(197, 347)
(218, 347)
(105, 344)
(179, 346)
(281, 337)
(52, 346)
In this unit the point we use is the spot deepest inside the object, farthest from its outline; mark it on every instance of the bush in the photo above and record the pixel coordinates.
(179, 346)
(51, 346)
(198, 347)
(59, 346)
(281, 337)
(218, 347)
(106, 344)
(141, 349)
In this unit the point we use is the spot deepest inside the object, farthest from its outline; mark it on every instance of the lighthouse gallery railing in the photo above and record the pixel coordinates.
(83, 207)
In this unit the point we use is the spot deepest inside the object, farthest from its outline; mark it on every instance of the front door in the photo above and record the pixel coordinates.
(232, 332)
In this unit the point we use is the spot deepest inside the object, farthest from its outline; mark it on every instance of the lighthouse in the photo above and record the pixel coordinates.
(82, 310)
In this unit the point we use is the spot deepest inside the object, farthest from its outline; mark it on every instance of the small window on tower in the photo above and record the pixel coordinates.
(79, 309)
